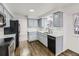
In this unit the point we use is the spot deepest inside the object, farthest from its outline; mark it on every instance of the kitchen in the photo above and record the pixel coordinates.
(48, 30)
(39, 29)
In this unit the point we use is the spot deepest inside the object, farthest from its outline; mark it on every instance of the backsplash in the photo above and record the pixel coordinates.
(57, 30)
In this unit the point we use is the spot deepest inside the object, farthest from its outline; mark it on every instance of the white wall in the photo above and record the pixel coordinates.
(72, 41)
(23, 27)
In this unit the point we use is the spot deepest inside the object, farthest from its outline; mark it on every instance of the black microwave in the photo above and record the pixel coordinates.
(2, 19)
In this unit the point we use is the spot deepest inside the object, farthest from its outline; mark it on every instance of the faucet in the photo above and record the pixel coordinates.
(49, 30)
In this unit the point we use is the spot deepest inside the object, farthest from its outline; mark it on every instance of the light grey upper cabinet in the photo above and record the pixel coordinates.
(35, 23)
(32, 23)
(43, 22)
(58, 19)
(40, 22)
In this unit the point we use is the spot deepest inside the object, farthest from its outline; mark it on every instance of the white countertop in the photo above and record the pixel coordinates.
(56, 35)
(6, 36)
(36, 30)
(43, 31)
(57, 31)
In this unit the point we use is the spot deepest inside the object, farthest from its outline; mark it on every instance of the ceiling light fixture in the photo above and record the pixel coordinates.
(31, 10)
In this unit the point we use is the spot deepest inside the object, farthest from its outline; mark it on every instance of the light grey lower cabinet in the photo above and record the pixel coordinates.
(59, 44)
(42, 38)
(32, 36)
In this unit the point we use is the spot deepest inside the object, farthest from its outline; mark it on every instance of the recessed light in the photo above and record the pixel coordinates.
(31, 10)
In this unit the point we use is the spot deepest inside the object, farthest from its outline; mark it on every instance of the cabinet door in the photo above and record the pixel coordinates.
(43, 23)
(58, 19)
(32, 36)
(44, 39)
(39, 22)
(39, 36)
(61, 19)
(35, 23)
(30, 23)
(46, 23)
(59, 44)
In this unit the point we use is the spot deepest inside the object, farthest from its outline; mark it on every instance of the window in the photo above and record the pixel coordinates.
(76, 24)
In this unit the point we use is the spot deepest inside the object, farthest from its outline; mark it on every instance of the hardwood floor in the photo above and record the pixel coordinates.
(23, 49)
(17, 52)
(37, 49)
(68, 53)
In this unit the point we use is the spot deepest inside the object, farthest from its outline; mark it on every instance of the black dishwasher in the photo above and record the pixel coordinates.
(52, 43)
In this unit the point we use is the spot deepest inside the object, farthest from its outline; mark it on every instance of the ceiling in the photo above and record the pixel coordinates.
(40, 8)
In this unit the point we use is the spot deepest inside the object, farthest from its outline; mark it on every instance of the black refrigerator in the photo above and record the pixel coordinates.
(14, 26)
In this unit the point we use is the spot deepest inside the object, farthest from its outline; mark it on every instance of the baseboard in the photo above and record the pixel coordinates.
(35, 41)
(73, 51)
(60, 52)
(31, 41)
(22, 40)
(66, 50)
(42, 44)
